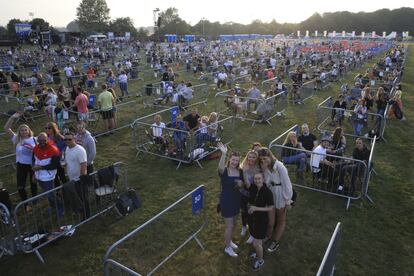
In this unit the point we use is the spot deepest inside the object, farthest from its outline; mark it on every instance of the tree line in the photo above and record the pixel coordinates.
(93, 16)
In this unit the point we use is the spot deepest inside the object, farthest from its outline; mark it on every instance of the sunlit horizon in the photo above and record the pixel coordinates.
(63, 12)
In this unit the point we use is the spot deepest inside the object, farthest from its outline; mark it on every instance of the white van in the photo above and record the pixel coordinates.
(97, 37)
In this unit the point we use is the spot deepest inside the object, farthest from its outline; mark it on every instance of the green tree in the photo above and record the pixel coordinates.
(122, 25)
(142, 34)
(41, 23)
(93, 15)
(10, 26)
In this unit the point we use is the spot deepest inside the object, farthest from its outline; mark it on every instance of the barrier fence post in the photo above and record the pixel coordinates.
(196, 220)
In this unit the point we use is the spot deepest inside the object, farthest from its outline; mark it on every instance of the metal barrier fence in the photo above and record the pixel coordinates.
(124, 116)
(58, 212)
(362, 125)
(265, 109)
(176, 143)
(163, 97)
(346, 178)
(141, 249)
(7, 234)
(327, 266)
(28, 106)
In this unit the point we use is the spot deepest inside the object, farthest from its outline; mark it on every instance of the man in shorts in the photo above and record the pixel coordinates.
(106, 102)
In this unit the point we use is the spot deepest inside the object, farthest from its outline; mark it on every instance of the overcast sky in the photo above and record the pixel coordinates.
(60, 12)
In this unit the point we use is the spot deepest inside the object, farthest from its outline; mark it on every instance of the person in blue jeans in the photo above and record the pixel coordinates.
(361, 117)
(46, 159)
(292, 156)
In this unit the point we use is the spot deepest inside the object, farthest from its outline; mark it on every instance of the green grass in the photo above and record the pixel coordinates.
(377, 238)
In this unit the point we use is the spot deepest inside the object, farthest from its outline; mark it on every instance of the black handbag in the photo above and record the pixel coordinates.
(127, 202)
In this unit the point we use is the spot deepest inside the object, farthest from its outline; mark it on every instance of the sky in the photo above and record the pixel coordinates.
(60, 12)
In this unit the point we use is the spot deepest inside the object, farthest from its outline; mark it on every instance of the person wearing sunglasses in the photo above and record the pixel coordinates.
(75, 160)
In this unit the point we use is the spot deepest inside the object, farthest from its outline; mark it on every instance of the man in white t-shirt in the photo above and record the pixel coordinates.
(69, 74)
(157, 128)
(75, 160)
(319, 164)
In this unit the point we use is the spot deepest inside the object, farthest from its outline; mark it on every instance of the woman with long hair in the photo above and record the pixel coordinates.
(277, 180)
(338, 142)
(249, 166)
(24, 141)
(54, 136)
(292, 156)
(231, 180)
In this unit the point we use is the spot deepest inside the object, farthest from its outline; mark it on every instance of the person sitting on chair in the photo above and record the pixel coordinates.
(157, 128)
(355, 169)
(319, 164)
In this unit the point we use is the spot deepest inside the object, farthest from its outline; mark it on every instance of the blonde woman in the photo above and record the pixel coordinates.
(24, 142)
(277, 180)
(249, 166)
(396, 109)
(292, 156)
(231, 180)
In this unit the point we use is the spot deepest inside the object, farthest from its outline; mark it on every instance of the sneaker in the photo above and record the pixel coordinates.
(229, 251)
(258, 265)
(243, 231)
(274, 245)
(250, 240)
(233, 245)
(340, 189)
(253, 255)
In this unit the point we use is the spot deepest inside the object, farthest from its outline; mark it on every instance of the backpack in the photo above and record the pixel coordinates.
(127, 202)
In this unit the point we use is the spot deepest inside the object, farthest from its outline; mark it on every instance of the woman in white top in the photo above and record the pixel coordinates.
(278, 181)
(25, 142)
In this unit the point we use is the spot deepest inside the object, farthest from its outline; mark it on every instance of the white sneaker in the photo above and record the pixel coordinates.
(250, 240)
(229, 251)
(233, 245)
(243, 231)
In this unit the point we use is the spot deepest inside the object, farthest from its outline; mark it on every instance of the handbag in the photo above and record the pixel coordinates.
(127, 202)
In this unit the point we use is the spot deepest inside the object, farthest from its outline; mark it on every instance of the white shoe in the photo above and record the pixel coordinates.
(229, 251)
(250, 240)
(243, 231)
(233, 245)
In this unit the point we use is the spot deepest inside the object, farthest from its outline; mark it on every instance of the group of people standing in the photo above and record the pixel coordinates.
(51, 159)
(259, 187)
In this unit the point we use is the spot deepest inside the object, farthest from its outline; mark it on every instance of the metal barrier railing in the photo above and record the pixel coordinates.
(7, 232)
(348, 177)
(328, 118)
(145, 254)
(327, 266)
(163, 97)
(265, 109)
(58, 212)
(176, 143)
(124, 114)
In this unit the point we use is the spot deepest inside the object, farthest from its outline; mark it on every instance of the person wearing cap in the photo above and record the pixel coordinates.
(319, 164)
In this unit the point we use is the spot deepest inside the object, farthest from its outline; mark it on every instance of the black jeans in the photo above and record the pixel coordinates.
(82, 190)
(22, 170)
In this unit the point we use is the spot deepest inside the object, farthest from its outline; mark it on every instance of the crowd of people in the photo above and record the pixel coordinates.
(257, 186)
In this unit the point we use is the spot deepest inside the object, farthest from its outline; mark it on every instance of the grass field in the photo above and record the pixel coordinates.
(377, 238)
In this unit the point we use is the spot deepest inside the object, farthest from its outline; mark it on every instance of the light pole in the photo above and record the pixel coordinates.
(203, 25)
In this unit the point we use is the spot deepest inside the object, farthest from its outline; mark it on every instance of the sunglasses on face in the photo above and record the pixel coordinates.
(68, 139)
(48, 128)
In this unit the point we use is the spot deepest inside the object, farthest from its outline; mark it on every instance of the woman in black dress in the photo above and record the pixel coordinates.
(261, 202)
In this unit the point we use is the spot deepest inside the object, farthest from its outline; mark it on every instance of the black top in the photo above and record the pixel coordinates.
(191, 120)
(362, 155)
(289, 152)
(307, 141)
(261, 198)
(337, 104)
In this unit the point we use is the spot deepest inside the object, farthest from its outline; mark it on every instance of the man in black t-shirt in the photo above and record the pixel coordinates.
(192, 121)
(355, 169)
(307, 140)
